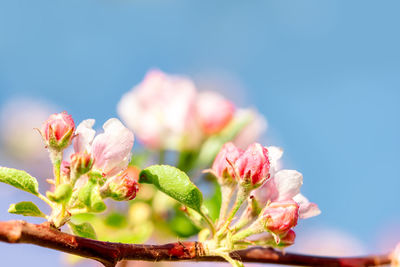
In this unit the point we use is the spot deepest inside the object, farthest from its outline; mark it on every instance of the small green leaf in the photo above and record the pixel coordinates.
(174, 183)
(26, 208)
(62, 194)
(19, 179)
(83, 230)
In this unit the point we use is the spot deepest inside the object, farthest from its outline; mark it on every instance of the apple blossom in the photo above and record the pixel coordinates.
(58, 131)
(252, 166)
(123, 186)
(285, 185)
(280, 216)
(110, 150)
(214, 112)
(161, 110)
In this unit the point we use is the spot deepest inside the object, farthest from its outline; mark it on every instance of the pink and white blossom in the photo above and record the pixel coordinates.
(285, 185)
(280, 216)
(161, 110)
(214, 111)
(110, 150)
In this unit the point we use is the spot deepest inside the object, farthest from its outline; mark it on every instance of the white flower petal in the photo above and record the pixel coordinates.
(307, 209)
(111, 149)
(275, 153)
(288, 183)
(84, 136)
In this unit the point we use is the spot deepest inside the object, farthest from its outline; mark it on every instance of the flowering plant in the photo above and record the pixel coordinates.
(255, 202)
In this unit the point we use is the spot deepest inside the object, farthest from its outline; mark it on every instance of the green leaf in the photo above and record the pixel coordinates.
(62, 194)
(19, 179)
(174, 183)
(83, 230)
(26, 208)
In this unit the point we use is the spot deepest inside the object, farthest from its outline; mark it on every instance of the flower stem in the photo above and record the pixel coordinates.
(56, 158)
(45, 199)
(203, 213)
(242, 195)
(226, 193)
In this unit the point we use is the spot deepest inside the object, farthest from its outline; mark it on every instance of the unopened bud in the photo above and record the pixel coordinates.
(280, 216)
(253, 166)
(58, 130)
(123, 186)
(223, 166)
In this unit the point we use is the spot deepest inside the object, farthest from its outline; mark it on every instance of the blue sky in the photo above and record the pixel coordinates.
(324, 73)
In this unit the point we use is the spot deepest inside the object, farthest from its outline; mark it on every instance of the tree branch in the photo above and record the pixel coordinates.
(110, 253)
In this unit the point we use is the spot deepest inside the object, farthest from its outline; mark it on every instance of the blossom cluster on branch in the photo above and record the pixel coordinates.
(196, 137)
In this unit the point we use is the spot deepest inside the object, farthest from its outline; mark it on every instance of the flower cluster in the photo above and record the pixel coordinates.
(168, 112)
(96, 170)
(274, 199)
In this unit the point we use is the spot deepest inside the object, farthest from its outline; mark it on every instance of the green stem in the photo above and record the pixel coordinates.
(255, 228)
(242, 195)
(45, 199)
(226, 193)
(208, 221)
(56, 158)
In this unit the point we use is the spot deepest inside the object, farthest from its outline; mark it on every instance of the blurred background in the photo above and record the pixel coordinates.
(325, 74)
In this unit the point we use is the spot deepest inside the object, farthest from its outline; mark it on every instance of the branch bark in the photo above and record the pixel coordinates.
(110, 253)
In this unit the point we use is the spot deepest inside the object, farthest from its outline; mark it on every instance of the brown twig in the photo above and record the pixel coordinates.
(110, 253)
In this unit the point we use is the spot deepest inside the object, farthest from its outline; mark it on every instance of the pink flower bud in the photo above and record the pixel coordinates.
(57, 131)
(279, 217)
(81, 163)
(253, 165)
(123, 186)
(214, 112)
(287, 239)
(226, 158)
(396, 256)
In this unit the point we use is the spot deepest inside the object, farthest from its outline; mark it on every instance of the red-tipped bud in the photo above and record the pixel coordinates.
(123, 186)
(224, 162)
(81, 163)
(280, 216)
(58, 130)
(214, 112)
(253, 166)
